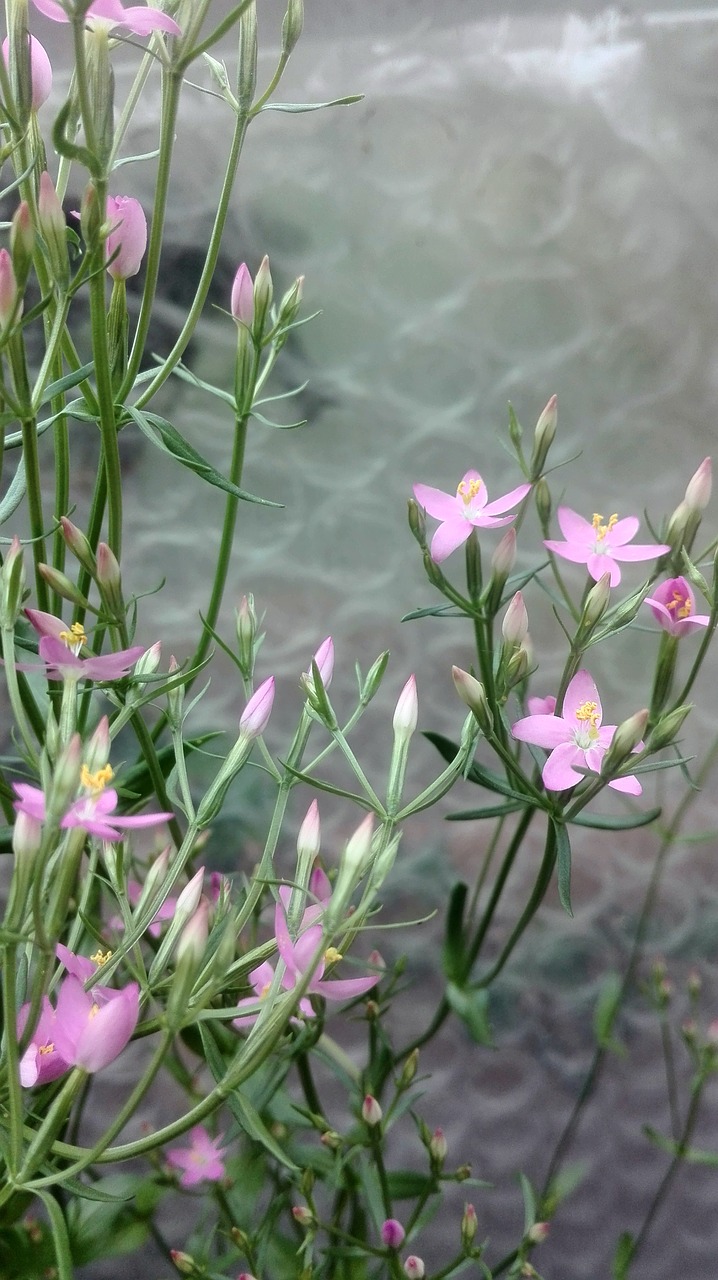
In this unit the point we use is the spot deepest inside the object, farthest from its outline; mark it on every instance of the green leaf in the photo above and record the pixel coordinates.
(60, 1238)
(472, 1006)
(477, 773)
(297, 107)
(437, 611)
(622, 1257)
(612, 822)
(563, 861)
(93, 1191)
(15, 493)
(453, 951)
(168, 440)
(326, 786)
(529, 1203)
(247, 1117)
(61, 385)
(278, 426)
(692, 1155)
(491, 811)
(405, 1184)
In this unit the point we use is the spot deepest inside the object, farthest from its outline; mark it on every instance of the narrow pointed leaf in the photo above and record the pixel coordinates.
(563, 865)
(296, 108)
(611, 822)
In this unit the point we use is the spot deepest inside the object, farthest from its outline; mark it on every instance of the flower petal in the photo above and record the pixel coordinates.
(629, 785)
(436, 503)
(448, 537)
(597, 565)
(641, 551)
(542, 730)
(622, 531)
(581, 689)
(558, 773)
(568, 550)
(574, 527)
(509, 500)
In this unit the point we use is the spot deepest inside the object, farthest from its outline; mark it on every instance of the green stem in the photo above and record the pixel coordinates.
(667, 1179)
(12, 1065)
(537, 896)
(108, 427)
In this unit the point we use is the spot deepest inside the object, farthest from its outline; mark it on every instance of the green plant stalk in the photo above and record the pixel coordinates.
(13, 690)
(12, 1061)
(108, 428)
(28, 426)
(538, 893)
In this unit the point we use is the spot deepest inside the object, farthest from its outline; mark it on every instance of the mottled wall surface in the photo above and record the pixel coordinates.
(520, 206)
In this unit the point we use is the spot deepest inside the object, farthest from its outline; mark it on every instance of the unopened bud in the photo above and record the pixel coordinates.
(371, 1112)
(358, 849)
(246, 626)
(504, 557)
(392, 1233)
(627, 739)
(12, 585)
(263, 294)
(53, 229)
(473, 694)
(62, 585)
(96, 752)
(406, 713)
(78, 544)
(109, 579)
(417, 522)
(184, 1262)
(414, 1267)
(515, 625)
(193, 939)
(255, 717)
(309, 838)
(542, 495)
(290, 304)
(10, 302)
(26, 837)
(667, 728)
(597, 601)
(242, 301)
(698, 490)
(538, 1232)
(463, 1172)
(292, 25)
(323, 660)
(544, 434)
(409, 1069)
(149, 661)
(188, 900)
(469, 1225)
(374, 677)
(65, 779)
(331, 1139)
(438, 1148)
(303, 1215)
(22, 243)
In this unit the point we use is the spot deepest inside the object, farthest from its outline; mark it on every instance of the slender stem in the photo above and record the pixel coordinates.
(667, 1179)
(12, 1071)
(107, 424)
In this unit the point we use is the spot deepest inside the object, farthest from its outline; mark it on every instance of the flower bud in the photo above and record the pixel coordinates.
(374, 677)
(627, 739)
(12, 585)
(62, 585)
(473, 694)
(10, 301)
(698, 490)
(303, 1215)
(515, 625)
(392, 1233)
(596, 601)
(469, 1225)
(263, 294)
(96, 752)
(290, 304)
(243, 296)
(504, 557)
(292, 26)
(323, 660)
(188, 900)
(438, 1148)
(149, 661)
(332, 1140)
(309, 838)
(544, 437)
(409, 1069)
(417, 522)
(371, 1112)
(414, 1267)
(65, 779)
(126, 238)
(542, 494)
(255, 717)
(40, 71)
(406, 713)
(109, 579)
(22, 243)
(26, 837)
(193, 939)
(667, 728)
(184, 1262)
(75, 539)
(247, 640)
(538, 1232)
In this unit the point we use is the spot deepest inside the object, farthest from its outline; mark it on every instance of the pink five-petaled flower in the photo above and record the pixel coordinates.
(468, 509)
(60, 648)
(201, 1161)
(600, 545)
(127, 239)
(94, 810)
(91, 1031)
(576, 737)
(300, 954)
(140, 19)
(673, 605)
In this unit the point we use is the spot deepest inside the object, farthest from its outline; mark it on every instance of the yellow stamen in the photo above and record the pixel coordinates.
(46, 1048)
(680, 605)
(265, 991)
(468, 490)
(74, 638)
(332, 956)
(94, 1011)
(588, 711)
(100, 958)
(96, 782)
(600, 528)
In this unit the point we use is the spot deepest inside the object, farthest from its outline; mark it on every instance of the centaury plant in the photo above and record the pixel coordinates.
(218, 992)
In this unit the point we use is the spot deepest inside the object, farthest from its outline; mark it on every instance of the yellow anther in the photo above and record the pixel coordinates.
(265, 991)
(468, 490)
(74, 638)
(600, 528)
(332, 956)
(588, 711)
(680, 605)
(96, 782)
(100, 958)
(94, 1011)
(46, 1048)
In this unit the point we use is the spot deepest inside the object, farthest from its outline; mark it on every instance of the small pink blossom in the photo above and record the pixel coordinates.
(468, 509)
(673, 605)
(127, 240)
(94, 809)
(61, 663)
(90, 1032)
(577, 737)
(201, 1161)
(40, 71)
(140, 19)
(41, 1061)
(601, 545)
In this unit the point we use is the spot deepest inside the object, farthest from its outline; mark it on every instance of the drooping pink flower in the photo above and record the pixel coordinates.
(40, 71)
(90, 1032)
(41, 1061)
(201, 1161)
(577, 737)
(673, 605)
(94, 809)
(140, 19)
(468, 509)
(601, 545)
(127, 240)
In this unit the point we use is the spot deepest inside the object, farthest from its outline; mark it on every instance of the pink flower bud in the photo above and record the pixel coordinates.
(698, 491)
(324, 659)
(538, 1232)
(302, 1215)
(243, 296)
(406, 713)
(309, 838)
(515, 625)
(26, 836)
(255, 717)
(371, 1112)
(40, 71)
(188, 900)
(108, 569)
(127, 236)
(473, 694)
(414, 1267)
(263, 293)
(469, 1225)
(392, 1233)
(358, 848)
(504, 557)
(193, 938)
(438, 1146)
(96, 752)
(9, 308)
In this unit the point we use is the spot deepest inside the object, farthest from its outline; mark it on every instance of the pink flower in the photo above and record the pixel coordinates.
(94, 809)
(469, 509)
(127, 240)
(599, 546)
(89, 1031)
(41, 1061)
(576, 737)
(201, 1161)
(673, 605)
(62, 661)
(140, 19)
(40, 71)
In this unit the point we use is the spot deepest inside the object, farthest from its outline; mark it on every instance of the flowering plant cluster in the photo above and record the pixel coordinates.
(221, 995)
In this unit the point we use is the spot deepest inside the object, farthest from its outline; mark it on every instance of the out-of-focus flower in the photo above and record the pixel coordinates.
(414, 1267)
(371, 1112)
(10, 308)
(201, 1161)
(40, 71)
(541, 706)
(140, 19)
(468, 509)
(127, 239)
(575, 738)
(600, 545)
(392, 1233)
(673, 605)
